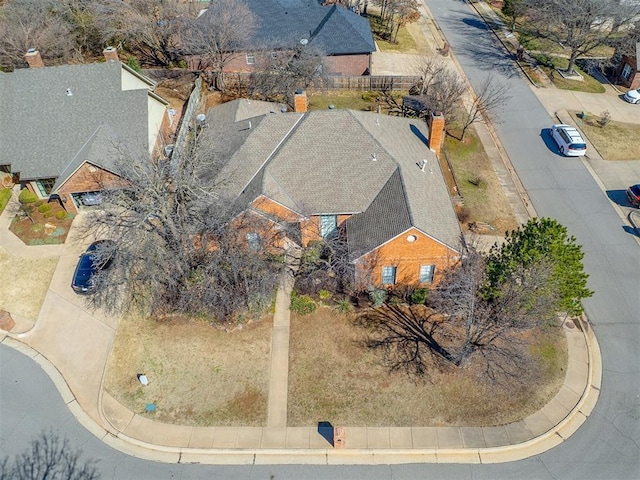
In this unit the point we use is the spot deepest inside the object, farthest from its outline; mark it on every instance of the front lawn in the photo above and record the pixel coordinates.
(198, 375)
(611, 141)
(24, 283)
(334, 377)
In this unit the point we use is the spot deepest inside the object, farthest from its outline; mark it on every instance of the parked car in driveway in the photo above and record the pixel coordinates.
(633, 194)
(569, 140)
(98, 256)
(632, 96)
(90, 199)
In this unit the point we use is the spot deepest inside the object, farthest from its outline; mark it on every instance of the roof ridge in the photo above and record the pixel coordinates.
(276, 150)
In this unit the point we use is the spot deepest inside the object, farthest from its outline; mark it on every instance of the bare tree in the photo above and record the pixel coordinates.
(487, 100)
(286, 71)
(583, 25)
(221, 34)
(440, 88)
(49, 457)
(151, 29)
(179, 245)
(394, 14)
(461, 325)
(39, 24)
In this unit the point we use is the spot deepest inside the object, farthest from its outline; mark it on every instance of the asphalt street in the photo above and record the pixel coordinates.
(562, 188)
(607, 446)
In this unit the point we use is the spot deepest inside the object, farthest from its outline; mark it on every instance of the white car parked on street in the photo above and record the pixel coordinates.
(632, 96)
(569, 140)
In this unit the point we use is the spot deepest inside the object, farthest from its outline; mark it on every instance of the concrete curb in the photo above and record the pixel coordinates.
(329, 456)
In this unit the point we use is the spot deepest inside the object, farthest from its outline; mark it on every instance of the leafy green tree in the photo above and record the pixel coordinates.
(541, 241)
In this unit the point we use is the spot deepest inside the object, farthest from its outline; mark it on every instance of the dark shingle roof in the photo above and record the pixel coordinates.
(42, 127)
(334, 30)
(387, 216)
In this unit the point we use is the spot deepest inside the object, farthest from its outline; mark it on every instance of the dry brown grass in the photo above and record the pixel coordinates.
(25, 282)
(198, 375)
(486, 202)
(334, 377)
(616, 141)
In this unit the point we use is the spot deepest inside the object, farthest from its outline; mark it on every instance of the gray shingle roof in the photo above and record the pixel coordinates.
(322, 162)
(42, 128)
(334, 30)
(102, 148)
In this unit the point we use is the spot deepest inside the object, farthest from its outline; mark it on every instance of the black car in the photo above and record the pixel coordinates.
(633, 194)
(98, 256)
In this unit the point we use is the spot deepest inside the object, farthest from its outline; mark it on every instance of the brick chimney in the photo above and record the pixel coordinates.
(33, 58)
(110, 53)
(300, 101)
(436, 132)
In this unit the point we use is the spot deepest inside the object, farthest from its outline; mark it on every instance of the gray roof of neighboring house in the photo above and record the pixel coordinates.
(42, 128)
(347, 162)
(332, 29)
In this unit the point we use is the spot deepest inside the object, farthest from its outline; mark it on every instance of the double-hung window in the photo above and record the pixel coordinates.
(388, 275)
(426, 273)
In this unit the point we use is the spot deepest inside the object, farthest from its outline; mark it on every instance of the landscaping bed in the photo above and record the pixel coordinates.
(42, 223)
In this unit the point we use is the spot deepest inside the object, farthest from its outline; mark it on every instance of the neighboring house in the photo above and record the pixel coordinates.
(627, 72)
(61, 127)
(368, 177)
(342, 35)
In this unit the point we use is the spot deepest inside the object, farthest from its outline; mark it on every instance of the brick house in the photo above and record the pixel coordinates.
(371, 178)
(62, 126)
(627, 72)
(343, 36)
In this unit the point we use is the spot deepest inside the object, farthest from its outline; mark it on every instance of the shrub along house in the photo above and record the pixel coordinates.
(369, 177)
(344, 37)
(60, 126)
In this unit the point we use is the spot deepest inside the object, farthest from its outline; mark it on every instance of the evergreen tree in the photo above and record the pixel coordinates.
(541, 241)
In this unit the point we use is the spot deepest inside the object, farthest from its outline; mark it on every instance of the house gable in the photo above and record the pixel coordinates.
(407, 252)
(50, 113)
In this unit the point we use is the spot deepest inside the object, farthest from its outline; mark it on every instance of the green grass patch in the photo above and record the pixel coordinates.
(5, 196)
(589, 84)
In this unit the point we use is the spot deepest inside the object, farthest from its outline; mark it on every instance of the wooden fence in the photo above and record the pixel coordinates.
(339, 82)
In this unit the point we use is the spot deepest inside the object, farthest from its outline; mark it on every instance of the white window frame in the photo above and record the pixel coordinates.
(426, 273)
(250, 58)
(389, 273)
(626, 71)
